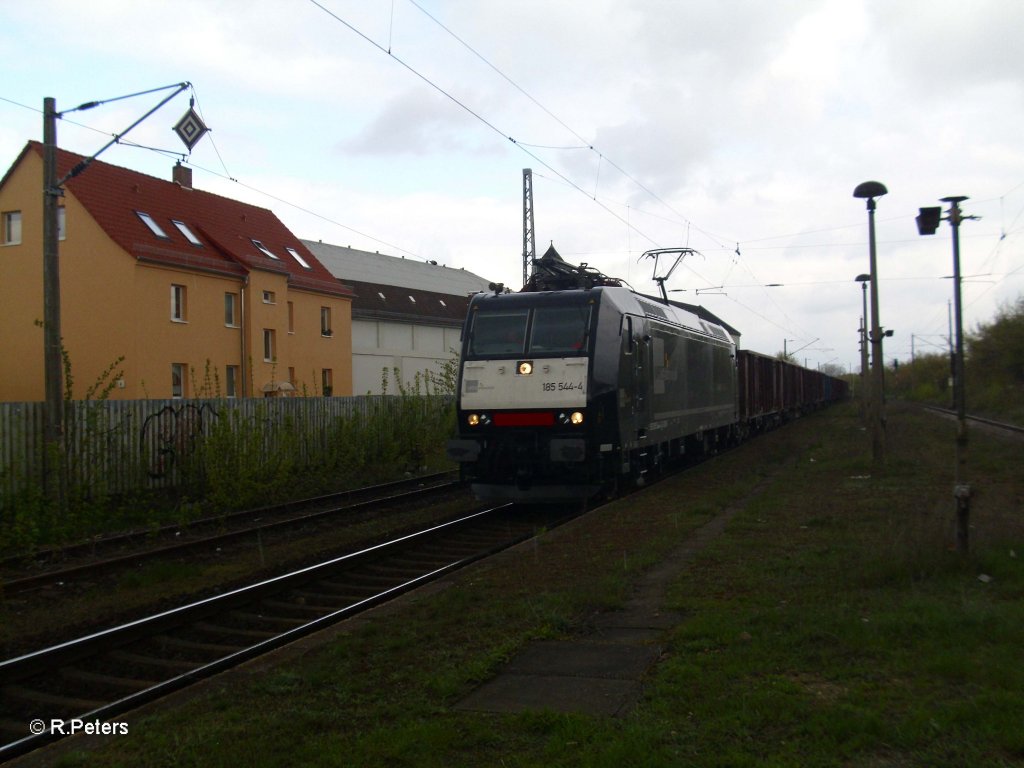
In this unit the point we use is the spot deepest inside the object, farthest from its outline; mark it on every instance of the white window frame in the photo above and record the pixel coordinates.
(326, 330)
(230, 308)
(295, 255)
(269, 345)
(188, 233)
(263, 249)
(179, 303)
(12, 227)
(179, 371)
(269, 297)
(231, 379)
(150, 222)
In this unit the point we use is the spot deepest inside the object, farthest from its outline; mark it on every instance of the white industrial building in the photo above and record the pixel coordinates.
(407, 314)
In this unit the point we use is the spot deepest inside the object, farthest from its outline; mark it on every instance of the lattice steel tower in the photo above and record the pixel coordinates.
(529, 242)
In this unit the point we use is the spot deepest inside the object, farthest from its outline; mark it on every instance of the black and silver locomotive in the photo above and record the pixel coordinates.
(577, 383)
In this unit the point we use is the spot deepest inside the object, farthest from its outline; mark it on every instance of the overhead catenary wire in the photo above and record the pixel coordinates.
(462, 105)
(174, 153)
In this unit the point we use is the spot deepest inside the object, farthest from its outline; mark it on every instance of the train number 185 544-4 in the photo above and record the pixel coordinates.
(562, 386)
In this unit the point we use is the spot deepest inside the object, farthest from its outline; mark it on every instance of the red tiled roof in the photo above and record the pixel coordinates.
(226, 228)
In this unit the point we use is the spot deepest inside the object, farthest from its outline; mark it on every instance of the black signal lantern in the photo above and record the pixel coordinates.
(928, 220)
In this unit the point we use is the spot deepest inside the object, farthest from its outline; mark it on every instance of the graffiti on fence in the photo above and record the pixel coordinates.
(174, 431)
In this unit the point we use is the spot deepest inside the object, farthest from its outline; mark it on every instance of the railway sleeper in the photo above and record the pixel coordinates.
(194, 645)
(262, 618)
(106, 681)
(33, 696)
(328, 601)
(221, 630)
(282, 606)
(140, 660)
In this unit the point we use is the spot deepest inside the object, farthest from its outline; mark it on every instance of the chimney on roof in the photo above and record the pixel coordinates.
(182, 175)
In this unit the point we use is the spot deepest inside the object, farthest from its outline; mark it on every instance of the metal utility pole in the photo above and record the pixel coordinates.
(869, 190)
(53, 369)
(961, 490)
(53, 189)
(865, 400)
(529, 242)
(927, 223)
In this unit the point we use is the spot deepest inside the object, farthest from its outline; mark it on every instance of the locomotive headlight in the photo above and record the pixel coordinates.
(473, 419)
(524, 367)
(575, 418)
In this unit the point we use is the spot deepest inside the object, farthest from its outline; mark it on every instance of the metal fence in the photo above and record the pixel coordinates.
(128, 445)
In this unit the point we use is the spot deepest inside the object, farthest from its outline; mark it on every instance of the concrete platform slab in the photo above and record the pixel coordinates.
(584, 659)
(511, 693)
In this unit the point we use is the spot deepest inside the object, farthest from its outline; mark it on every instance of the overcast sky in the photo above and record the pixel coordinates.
(739, 129)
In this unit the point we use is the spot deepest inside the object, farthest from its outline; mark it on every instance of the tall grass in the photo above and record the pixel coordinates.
(233, 462)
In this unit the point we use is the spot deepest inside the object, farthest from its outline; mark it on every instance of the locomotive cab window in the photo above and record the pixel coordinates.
(499, 333)
(561, 330)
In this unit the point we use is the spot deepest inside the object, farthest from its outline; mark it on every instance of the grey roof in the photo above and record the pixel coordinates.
(352, 265)
(388, 302)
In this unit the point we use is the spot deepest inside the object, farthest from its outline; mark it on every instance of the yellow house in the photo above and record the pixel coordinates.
(199, 294)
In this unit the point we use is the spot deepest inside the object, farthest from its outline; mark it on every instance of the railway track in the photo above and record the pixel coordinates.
(107, 554)
(999, 426)
(101, 675)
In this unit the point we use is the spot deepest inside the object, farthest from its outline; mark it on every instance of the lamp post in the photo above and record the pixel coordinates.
(869, 190)
(927, 222)
(864, 399)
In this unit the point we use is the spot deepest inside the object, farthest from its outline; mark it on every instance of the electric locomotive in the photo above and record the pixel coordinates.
(577, 384)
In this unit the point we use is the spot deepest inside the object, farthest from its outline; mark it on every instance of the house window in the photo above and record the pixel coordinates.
(327, 381)
(179, 306)
(291, 375)
(188, 233)
(231, 310)
(12, 227)
(298, 258)
(325, 322)
(179, 372)
(62, 229)
(232, 380)
(264, 250)
(269, 297)
(269, 345)
(291, 317)
(155, 228)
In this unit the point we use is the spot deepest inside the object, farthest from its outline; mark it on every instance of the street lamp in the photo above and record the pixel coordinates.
(864, 399)
(927, 222)
(869, 190)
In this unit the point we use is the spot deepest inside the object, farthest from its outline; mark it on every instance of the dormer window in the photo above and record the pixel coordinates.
(442, 303)
(412, 299)
(297, 257)
(382, 298)
(264, 250)
(188, 233)
(150, 222)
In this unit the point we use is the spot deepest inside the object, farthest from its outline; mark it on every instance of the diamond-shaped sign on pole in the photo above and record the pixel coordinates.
(190, 129)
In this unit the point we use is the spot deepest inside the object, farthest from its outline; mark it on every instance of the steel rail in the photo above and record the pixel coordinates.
(69, 573)
(48, 660)
(119, 539)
